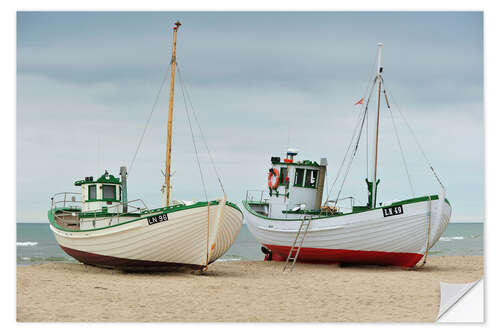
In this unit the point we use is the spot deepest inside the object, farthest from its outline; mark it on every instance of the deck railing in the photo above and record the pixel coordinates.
(66, 200)
(337, 203)
(117, 211)
(257, 196)
(67, 205)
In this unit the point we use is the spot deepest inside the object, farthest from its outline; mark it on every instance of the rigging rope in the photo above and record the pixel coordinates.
(149, 119)
(361, 118)
(352, 157)
(344, 159)
(192, 136)
(428, 237)
(201, 132)
(415, 138)
(399, 142)
(354, 133)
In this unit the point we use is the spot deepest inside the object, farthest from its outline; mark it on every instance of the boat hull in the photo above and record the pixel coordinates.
(360, 238)
(335, 256)
(191, 237)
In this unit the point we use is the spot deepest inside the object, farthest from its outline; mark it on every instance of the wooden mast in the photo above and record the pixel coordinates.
(170, 110)
(375, 149)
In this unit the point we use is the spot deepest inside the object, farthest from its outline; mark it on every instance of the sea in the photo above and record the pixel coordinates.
(36, 244)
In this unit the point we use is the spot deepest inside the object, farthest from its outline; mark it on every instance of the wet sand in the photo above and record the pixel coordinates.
(239, 292)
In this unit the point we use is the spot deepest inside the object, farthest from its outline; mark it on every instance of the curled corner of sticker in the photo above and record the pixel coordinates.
(453, 303)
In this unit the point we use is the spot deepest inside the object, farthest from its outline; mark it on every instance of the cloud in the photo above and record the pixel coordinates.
(257, 88)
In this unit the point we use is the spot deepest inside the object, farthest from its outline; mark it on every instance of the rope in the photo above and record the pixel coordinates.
(352, 157)
(354, 133)
(361, 117)
(193, 110)
(149, 119)
(194, 141)
(416, 141)
(428, 236)
(344, 159)
(208, 234)
(399, 143)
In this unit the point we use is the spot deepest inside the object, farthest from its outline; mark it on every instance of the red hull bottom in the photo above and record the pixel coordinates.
(125, 264)
(331, 256)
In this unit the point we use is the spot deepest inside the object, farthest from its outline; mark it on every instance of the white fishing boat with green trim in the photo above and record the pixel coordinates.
(99, 226)
(294, 223)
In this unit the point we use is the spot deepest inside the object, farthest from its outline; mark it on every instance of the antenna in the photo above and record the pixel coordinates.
(288, 139)
(99, 152)
(379, 66)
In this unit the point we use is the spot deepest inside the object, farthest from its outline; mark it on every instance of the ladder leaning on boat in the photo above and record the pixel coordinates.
(306, 222)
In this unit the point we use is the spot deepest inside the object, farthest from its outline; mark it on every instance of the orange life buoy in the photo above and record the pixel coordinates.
(273, 173)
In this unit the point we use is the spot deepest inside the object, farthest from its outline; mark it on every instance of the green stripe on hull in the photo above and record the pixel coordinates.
(169, 209)
(397, 203)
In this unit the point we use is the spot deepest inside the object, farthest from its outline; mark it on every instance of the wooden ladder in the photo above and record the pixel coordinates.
(306, 222)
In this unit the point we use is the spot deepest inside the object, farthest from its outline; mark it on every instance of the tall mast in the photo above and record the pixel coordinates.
(170, 109)
(375, 146)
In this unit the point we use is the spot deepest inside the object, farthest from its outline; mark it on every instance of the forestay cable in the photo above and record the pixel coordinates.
(192, 136)
(361, 118)
(149, 119)
(344, 159)
(201, 132)
(352, 157)
(399, 141)
(415, 138)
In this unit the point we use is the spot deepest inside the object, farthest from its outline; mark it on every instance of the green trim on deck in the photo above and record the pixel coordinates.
(84, 215)
(396, 203)
(143, 215)
(311, 212)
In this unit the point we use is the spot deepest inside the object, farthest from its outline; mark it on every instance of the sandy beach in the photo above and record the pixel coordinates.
(239, 292)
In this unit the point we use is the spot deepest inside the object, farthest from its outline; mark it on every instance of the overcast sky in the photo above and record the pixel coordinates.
(259, 82)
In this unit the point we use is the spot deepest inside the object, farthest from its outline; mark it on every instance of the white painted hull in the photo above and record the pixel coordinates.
(185, 239)
(365, 237)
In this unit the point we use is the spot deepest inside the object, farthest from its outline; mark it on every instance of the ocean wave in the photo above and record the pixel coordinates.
(26, 243)
(448, 239)
(43, 259)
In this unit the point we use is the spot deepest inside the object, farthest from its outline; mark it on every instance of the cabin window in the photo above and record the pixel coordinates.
(108, 192)
(283, 175)
(299, 177)
(92, 192)
(311, 178)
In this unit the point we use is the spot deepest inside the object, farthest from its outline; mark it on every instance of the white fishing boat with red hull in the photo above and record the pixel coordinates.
(292, 221)
(99, 226)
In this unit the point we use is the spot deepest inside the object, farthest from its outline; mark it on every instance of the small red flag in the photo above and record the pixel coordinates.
(360, 101)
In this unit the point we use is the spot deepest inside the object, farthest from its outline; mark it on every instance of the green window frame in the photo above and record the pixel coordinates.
(311, 178)
(283, 175)
(108, 192)
(299, 177)
(92, 192)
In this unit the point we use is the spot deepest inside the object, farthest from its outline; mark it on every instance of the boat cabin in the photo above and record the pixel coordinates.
(103, 194)
(294, 186)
